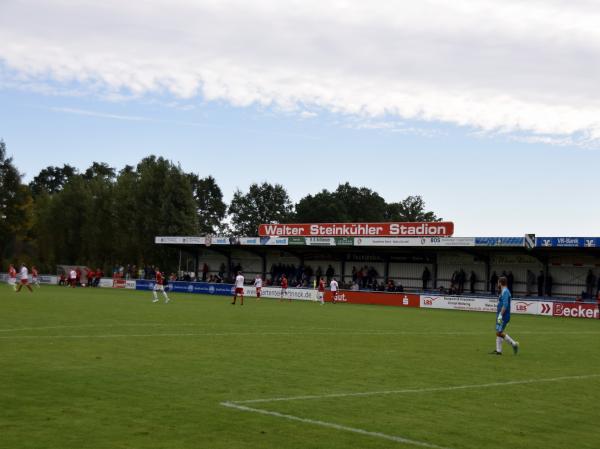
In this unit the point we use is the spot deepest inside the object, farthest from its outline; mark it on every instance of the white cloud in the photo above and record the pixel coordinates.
(511, 66)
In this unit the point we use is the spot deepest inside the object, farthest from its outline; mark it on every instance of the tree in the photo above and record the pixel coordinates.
(264, 203)
(346, 204)
(210, 208)
(15, 203)
(412, 208)
(51, 179)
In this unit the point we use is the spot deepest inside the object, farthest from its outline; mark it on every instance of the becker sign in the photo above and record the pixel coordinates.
(392, 229)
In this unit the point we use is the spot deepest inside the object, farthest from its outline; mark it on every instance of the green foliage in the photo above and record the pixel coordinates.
(51, 179)
(210, 208)
(358, 204)
(264, 203)
(410, 209)
(15, 206)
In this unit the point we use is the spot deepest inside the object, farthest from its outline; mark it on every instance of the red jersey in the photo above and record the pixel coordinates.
(159, 278)
(34, 273)
(284, 283)
(321, 286)
(12, 273)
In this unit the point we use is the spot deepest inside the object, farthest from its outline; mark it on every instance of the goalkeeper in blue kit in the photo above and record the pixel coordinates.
(502, 319)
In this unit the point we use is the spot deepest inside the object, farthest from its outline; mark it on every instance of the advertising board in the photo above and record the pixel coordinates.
(302, 294)
(473, 304)
(575, 310)
(414, 241)
(397, 229)
(375, 298)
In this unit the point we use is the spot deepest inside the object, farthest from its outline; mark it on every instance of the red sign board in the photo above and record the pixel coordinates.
(575, 310)
(392, 229)
(378, 298)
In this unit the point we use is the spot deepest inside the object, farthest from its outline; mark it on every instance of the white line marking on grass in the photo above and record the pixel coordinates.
(238, 405)
(416, 390)
(258, 334)
(331, 425)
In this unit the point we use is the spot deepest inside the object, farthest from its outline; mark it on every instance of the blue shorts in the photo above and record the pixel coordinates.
(501, 327)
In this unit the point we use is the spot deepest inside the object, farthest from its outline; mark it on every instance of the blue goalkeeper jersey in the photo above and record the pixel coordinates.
(504, 301)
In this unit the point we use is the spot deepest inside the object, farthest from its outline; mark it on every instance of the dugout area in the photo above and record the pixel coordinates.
(568, 267)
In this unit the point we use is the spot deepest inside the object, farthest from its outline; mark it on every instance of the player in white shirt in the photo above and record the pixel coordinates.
(258, 286)
(333, 286)
(72, 278)
(239, 288)
(24, 277)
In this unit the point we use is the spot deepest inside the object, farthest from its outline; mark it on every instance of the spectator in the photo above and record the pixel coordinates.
(462, 278)
(530, 282)
(549, 282)
(329, 273)
(204, 271)
(590, 283)
(472, 281)
(598, 287)
(541, 281)
(425, 277)
(494, 284)
(510, 282)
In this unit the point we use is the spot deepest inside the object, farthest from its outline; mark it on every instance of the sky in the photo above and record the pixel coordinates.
(489, 110)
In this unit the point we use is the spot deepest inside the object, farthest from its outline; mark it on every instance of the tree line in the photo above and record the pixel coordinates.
(102, 216)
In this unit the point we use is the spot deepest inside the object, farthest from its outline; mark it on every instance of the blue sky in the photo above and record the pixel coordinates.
(497, 155)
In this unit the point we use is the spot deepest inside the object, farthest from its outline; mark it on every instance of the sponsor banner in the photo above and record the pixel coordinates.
(525, 307)
(500, 241)
(393, 229)
(302, 294)
(546, 308)
(123, 283)
(204, 288)
(320, 241)
(575, 310)
(180, 240)
(296, 241)
(47, 279)
(283, 241)
(473, 304)
(377, 298)
(249, 241)
(344, 241)
(412, 241)
(567, 242)
(105, 283)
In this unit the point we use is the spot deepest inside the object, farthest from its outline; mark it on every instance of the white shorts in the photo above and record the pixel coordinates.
(159, 288)
(12, 281)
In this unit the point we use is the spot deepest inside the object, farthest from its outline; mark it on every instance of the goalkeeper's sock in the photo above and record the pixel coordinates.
(509, 339)
(498, 344)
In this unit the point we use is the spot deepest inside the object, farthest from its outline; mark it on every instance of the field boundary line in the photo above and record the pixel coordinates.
(290, 333)
(331, 425)
(415, 390)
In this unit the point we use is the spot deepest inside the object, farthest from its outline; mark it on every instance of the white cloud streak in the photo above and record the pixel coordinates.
(512, 66)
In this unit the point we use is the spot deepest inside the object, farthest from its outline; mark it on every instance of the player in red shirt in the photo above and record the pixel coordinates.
(284, 286)
(159, 286)
(12, 276)
(89, 274)
(99, 275)
(321, 291)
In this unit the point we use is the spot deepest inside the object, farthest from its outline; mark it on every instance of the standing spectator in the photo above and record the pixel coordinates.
(329, 273)
(204, 271)
(541, 281)
(598, 287)
(462, 278)
(510, 281)
(549, 282)
(472, 281)
(425, 277)
(590, 283)
(530, 282)
(494, 284)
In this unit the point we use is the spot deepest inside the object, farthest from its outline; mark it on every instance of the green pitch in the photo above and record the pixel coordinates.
(98, 369)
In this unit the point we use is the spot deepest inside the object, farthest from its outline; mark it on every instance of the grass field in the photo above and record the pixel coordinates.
(109, 369)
